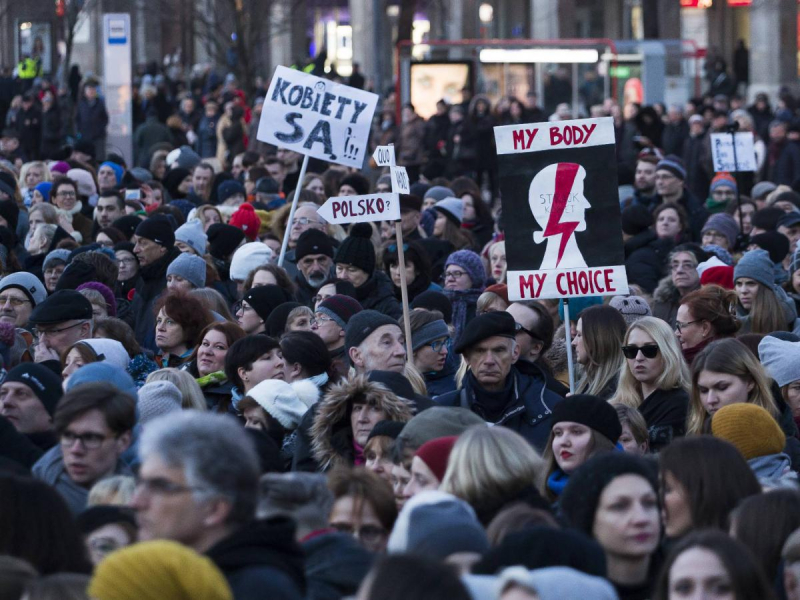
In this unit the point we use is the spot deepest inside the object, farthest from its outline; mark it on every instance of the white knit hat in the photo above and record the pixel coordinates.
(286, 403)
(249, 257)
(157, 398)
(110, 351)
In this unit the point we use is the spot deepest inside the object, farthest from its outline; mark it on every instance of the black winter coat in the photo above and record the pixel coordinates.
(665, 413)
(151, 282)
(377, 293)
(646, 258)
(336, 564)
(262, 560)
(527, 405)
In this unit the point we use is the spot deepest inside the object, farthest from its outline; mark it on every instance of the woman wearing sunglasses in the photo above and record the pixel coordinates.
(655, 380)
(430, 342)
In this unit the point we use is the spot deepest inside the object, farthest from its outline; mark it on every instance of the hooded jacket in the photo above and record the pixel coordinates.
(262, 560)
(331, 432)
(774, 471)
(50, 469)
(527, 410)
(336, 564)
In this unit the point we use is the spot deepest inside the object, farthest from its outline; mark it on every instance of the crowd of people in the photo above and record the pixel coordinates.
(181, 417)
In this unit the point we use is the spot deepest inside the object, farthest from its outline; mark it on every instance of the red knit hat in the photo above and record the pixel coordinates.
(501, 289)
(722, 276)
(247, 220)
(436, 453)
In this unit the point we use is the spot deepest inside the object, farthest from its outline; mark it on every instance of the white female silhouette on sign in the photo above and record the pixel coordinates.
(559, 206)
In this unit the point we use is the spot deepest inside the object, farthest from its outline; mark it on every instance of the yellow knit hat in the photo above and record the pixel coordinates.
(158, 570)
(750, 428)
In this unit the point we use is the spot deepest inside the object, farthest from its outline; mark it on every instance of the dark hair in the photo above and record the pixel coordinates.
(213, 300)
(307, 349)
(106, 270)
(116, 195)
(331, 180)
(464, 185)
(244, 353)
(85, 351)
(118, 408)
(544, 328)
(517, 517)
(399, 577)
(714, 474)
(204, 165)
(188, 311)
(419, 317)
(716, 305)
(232, 332)
(365, 486)
(342, 286)
(679, 210)
(117, 329)
(282, 279)
(250, 158)
(747, 579)
(59, 181)
(169, 209)
(415, 254)
(37, 526)
(764, 522)
(114, 234)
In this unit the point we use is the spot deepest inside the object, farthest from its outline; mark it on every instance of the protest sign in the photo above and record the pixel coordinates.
(317, 117)
(360, 209)
(722, 152)
(561, 209)
(384, 156)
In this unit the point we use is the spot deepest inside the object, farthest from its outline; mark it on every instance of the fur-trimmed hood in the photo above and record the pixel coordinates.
(331, 435)
(666, 292)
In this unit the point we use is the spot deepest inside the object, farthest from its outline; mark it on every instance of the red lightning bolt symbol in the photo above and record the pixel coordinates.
(565, 176)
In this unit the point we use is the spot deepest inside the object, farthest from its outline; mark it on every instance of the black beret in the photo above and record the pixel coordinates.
(591, 411)
(497, 323)
(63, 305)
(313, 241)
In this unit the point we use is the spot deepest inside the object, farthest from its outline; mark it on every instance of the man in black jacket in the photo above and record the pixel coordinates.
(198, 485)
(155, 249)
(494, 388)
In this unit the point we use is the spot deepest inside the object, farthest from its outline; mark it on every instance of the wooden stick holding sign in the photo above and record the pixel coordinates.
(315, 117)
(384, 157)
(289, 223)
(568, 332)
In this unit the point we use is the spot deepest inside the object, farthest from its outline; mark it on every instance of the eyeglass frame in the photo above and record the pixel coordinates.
(83, 438)
(39, 333)
(452, 275)
(645, 349)
(162, 486)
(679, 326)
(15, 302)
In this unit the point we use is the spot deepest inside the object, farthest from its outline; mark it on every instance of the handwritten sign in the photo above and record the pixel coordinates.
(317, 117)
(384, 156)
(360, 209)
(722, 152)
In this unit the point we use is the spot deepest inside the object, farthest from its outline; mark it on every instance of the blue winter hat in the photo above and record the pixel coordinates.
(102, 371)
(229, 188)
(189, 266)
(118, 170)
(452, 208)
(44, 189)
(191, 233)
(471, 263)
(439, 192)
(756, 265)
(577, 306)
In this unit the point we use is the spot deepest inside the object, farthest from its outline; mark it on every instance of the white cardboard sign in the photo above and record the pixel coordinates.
(722, 152)
(384, 156)
(360, 209)
(316, 117)
(400, 183)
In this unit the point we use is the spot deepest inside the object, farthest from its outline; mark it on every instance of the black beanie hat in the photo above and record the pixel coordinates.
(127, 225)
(390, 429)
(157, 229)
(636, 219)
(266, 298)
(767, 218)
(579, 500)
(591, 411)
(358, 182)
(95, 517)
(75, 274)
(357, 248)
(10, 212)
(542, 546)
(276, 322)
(433, 300)
(361, 325)
(313, 241)
(773, 242)
(223, 240)
(44, 383)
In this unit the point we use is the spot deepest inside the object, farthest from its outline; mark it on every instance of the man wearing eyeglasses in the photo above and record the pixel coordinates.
(19, 294)
(198, 485)
(494, 388)
(93, 422)
(59, 321)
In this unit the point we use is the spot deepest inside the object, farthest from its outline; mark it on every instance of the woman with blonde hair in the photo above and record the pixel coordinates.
(491, 467)
(655, 380)
(599, 336)
(30, 175)
(191, 392)
(725, 373)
